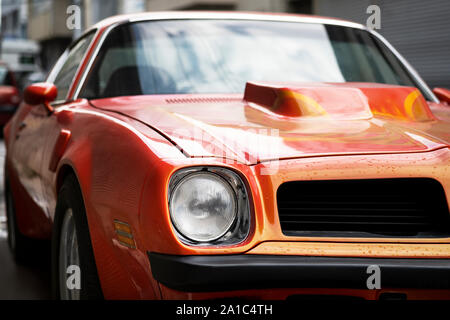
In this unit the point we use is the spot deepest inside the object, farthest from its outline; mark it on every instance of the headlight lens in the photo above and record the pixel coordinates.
(203, 206)
(209, 206)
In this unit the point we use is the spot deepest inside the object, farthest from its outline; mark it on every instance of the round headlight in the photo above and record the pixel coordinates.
(203, 206)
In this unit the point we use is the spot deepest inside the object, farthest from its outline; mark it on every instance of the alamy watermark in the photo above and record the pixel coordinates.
(73, 21)
(73, 281)
(374, 20)
(235, 145)
(374, 280)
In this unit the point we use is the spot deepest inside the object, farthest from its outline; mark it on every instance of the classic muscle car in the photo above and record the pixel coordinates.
(191, 155)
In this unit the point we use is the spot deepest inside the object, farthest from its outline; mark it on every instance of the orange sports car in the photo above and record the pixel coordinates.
(191, 155)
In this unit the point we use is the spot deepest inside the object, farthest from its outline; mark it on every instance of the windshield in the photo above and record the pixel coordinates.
(220, 56)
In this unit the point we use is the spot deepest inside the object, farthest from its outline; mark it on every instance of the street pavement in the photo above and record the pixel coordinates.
(18, 281)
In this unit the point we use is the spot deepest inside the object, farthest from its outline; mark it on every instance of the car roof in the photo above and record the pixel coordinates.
(231, 15)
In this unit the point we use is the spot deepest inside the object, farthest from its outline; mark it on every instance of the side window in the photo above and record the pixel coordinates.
(68, 66)
(115, 61)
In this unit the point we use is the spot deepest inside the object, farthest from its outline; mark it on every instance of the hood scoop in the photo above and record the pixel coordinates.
(344, 101)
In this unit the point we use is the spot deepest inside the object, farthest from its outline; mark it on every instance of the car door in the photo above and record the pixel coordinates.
(35, 124)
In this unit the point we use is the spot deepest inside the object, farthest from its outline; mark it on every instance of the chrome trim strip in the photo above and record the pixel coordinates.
(247, 16)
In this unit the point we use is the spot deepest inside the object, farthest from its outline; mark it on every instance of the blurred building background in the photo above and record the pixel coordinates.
(419, 29)
(20, 53)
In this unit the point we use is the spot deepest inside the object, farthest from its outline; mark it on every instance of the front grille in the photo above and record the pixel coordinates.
(407, 207)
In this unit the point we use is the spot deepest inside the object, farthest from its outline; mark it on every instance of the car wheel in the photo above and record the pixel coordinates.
(74, 270)
(21, 247)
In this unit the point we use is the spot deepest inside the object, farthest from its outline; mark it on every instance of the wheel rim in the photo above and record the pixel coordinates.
(68, 256)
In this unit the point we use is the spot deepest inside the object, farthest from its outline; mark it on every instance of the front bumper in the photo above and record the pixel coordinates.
(214, 273)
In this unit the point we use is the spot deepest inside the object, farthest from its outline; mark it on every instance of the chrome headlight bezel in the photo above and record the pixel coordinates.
(239, 230)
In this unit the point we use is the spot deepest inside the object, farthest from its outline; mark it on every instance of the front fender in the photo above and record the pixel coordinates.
(111, 164)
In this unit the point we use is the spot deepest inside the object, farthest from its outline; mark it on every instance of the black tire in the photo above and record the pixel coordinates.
(70, 197)
(23, 248)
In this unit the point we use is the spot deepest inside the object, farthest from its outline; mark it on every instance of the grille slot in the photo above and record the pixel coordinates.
(406, 207)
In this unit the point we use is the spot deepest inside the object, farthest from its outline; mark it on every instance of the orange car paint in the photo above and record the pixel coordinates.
(124, 151)
(442, 94)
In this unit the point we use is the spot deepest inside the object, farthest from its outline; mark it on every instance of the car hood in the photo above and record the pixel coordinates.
(281, 121)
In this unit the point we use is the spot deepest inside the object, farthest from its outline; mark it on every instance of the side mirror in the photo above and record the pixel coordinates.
(40, 93)
(442, 94)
